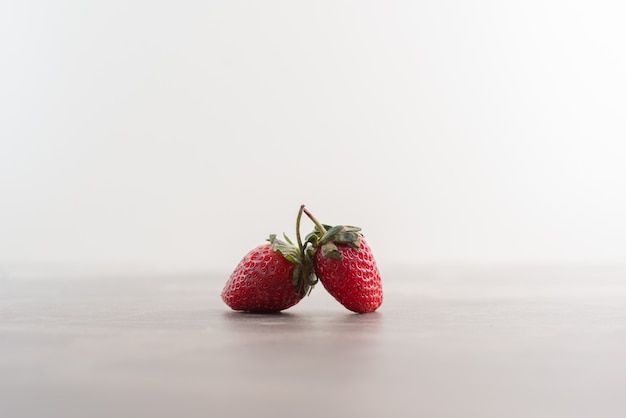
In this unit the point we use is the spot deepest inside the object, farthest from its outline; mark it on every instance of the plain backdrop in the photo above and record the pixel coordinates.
(175, 136)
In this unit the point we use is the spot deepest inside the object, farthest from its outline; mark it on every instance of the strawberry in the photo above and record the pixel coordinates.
(345, 265)
(270, 278)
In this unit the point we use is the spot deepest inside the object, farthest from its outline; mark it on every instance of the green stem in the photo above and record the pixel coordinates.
(300, 246)
(312, 218)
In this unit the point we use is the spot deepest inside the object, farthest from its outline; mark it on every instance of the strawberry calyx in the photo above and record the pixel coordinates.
(325, 237)
(304, 278)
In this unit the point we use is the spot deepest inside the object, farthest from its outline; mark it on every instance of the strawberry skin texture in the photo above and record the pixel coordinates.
(262, 282)
(354, 280)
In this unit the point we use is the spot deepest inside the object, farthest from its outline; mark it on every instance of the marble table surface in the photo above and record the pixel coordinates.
(449, 341)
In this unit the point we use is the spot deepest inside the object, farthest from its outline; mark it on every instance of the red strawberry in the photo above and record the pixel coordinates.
(345, 265)
(270, 278)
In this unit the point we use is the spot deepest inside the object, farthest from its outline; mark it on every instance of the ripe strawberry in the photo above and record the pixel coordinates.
(270, 278)
(345, 265)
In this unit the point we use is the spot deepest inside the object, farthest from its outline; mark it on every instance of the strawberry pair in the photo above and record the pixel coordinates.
(277, 275)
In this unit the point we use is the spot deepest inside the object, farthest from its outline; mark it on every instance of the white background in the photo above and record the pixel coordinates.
(175, 136)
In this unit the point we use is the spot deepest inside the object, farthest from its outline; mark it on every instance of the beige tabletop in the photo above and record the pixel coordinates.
(463, 341)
